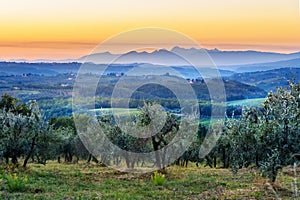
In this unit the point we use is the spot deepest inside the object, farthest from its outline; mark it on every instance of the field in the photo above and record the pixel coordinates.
(89, 181)
(247, 102)
(117, 111)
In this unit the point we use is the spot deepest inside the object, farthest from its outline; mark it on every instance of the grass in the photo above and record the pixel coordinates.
(89, 181)
(247, 102)
(28, 92)
(118, 111)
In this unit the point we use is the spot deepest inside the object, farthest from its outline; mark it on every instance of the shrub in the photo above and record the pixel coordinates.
(158, 178)
(15, 183)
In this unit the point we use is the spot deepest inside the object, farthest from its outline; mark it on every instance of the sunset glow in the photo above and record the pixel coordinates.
(60, 29)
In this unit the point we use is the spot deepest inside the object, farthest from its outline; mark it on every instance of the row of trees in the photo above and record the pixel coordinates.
(266, 137)
(26, 134)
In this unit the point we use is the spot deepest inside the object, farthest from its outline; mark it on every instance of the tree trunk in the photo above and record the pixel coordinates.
(95, 159)
(132, 164)
(208, 162)
(77, 159)
(127, 161)
(30, 152)
(224, 158)
(89, 158)
(256, 159)
(14, 159)
(177, 162)
(228, 161)
(215, 161)
(157, 155)
(7, 160)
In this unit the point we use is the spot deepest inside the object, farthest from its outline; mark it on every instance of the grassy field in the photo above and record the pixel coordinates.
(89, 181)
(247, 102)
(117, 111)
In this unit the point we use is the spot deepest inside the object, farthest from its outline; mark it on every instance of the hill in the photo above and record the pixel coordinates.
(40, 87)
(53, 69)
(234, 90)
(268, 80)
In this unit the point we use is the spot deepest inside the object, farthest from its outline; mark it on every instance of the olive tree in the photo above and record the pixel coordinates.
(24, 135)
(70, 144)
(267, 137)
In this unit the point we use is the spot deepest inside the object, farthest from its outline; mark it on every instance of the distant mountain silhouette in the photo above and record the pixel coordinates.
(159, 57)
(172, 57)
(294, 63)
(227, 60)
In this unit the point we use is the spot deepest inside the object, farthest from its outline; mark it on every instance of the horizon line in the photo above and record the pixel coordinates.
(23, 59)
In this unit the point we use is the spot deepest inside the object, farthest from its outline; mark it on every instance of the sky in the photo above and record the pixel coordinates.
(61, 29)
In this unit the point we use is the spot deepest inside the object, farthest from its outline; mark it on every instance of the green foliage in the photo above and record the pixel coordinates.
(266, 137)
(24, 135)
(158, 179)
(53, 93)
(270, 165)
(66, 122)
(150, 121)
(9, 103)
(68, 141)
(16, 183)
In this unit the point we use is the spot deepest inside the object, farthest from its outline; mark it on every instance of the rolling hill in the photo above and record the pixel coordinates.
(53, 69)
(270, 79)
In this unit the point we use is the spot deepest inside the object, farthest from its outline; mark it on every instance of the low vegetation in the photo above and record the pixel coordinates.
(91, 181)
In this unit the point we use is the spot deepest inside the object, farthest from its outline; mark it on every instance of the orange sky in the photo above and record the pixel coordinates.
(59, 29)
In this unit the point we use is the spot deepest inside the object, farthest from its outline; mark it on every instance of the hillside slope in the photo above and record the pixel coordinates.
(268, 80)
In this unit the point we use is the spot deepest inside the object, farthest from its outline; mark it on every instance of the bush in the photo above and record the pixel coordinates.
(15, 183)
(158, 178)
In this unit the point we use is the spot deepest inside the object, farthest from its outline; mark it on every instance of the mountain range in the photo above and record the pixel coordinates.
(240, 61)
(293, 63)
(172, 57)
